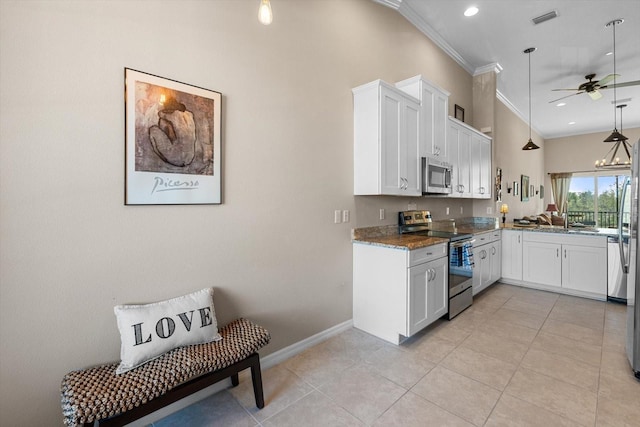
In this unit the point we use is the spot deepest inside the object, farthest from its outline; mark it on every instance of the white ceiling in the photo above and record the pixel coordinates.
(568, 47)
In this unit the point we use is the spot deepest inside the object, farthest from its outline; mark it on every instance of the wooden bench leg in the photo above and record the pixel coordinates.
(256, 378)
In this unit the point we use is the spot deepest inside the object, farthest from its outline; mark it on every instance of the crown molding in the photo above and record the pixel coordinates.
(494, 66)
(393, 4)
(517, 112)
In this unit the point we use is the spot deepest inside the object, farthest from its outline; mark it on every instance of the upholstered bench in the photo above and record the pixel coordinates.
(98, 394)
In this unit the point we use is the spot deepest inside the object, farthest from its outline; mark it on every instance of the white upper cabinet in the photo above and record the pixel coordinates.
(460, 159)
(434, 104)
(386, 141)
(470, 157)
(480, 166)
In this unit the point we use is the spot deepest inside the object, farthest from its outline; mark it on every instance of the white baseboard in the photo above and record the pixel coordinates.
(266, 362)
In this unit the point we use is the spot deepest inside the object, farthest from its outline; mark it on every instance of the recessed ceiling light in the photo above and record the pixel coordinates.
(471, 11)
(609, 53)
(561, 104)
(572, 123)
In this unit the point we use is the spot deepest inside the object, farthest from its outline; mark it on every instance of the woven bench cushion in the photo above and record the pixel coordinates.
(97, 393)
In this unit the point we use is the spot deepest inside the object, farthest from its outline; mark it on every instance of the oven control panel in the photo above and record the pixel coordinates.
(414, 217)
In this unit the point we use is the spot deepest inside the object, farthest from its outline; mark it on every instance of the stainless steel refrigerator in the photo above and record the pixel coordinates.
(629, 209)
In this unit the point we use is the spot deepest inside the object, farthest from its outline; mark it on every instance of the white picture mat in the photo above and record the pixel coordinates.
(169, 188)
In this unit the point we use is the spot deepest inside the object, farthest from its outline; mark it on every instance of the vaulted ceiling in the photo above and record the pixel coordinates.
(569, 47)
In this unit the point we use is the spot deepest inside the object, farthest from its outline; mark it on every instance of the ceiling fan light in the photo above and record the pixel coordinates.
(530, 146)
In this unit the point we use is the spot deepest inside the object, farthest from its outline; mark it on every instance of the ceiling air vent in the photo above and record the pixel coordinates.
(540, 19)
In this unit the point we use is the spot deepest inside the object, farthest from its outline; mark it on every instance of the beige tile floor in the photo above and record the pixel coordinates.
(517, 357)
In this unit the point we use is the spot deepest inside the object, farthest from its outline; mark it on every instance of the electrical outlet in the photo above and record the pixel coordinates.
(461, 210)
(489, 211)
(447, 210)
(412, 206)
(346, 215)
(337, 216)
(381, 214)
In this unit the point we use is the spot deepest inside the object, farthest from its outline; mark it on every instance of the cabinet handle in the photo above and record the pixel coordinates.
(434, 274)
(429, 253)
(565, 254)
(518, 239)
(557, 252)
(493, 250)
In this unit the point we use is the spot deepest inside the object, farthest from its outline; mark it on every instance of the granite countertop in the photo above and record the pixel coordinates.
(388, 235)
(588, 231)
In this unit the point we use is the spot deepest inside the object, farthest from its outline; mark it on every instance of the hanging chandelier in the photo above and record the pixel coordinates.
(614, 161)
(530, 145)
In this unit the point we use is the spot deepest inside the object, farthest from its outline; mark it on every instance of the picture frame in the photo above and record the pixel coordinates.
(515, 188)
(458, 112)
(524, 182)
(542, 191)
(498, 184)
(532, 190)
(172, 141)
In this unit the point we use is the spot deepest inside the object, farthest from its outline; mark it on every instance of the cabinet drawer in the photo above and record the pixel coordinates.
(428, 253)
(488, 237)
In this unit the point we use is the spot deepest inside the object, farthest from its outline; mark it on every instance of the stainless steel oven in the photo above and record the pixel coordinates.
(461, 267)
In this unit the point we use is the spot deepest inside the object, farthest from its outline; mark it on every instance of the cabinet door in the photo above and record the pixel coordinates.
(427, 296)
(392, 149)
(440, 111)
(437, 292)
(496, 261)
(464, 163)
(410, 149)
(584, 269)
(480, 166)
(459, 139)
(541, 263)
(512, 254)
(482, 269)
(453, 135)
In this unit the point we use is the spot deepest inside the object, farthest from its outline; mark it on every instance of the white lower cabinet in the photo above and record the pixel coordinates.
(541, 263)
(487, 259)
(427, 294)
(566, 263)
(397, 292)
(512, 255)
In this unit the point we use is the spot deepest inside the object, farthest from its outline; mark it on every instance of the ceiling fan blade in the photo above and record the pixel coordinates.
(595, 95)
(607, 79)
(633, 83)
(563, 89)
(573, 94)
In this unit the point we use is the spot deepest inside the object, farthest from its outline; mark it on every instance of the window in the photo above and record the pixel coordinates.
(594, 199)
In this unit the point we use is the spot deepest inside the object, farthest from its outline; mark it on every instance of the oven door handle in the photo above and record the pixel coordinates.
(463, 243)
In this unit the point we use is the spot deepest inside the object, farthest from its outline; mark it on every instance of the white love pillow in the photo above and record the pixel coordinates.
(147, 331)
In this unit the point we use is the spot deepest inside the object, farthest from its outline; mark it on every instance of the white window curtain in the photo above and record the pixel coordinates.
(560, 183)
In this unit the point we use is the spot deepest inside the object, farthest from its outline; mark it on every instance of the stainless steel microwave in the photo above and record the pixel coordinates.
(436, 176)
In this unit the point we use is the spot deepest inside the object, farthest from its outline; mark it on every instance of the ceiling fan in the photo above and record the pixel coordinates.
(592, 87)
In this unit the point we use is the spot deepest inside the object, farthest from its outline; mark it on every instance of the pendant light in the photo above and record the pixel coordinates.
(530, 145)
(265, 16)
(614, 161)
(615, 135)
